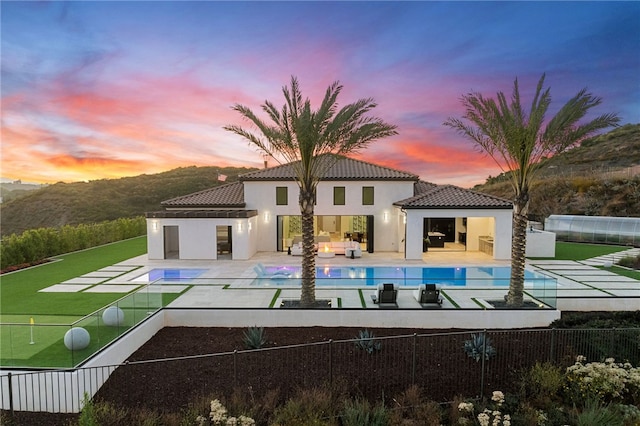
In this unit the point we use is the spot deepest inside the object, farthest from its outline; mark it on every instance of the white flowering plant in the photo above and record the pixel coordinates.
(606, 381)
(218, 416)
(491, 415)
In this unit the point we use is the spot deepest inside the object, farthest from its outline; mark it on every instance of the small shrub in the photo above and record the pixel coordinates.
(493, 413)
(457, 412)
(478, 346)
(413, 409)
(542, 384)
(630, 262)
(147, 417)
(260, 408)
(219, 416)
(88, 415)
(630, 414)
(359, 412)
(606, 381)
(367, 342)
(308, 407)
(596, 413)
(255, 337)
(316, 406)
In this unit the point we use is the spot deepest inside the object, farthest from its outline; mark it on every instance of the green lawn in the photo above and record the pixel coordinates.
(624, 272)
(19, 290)
(53, 313)
(581, 251)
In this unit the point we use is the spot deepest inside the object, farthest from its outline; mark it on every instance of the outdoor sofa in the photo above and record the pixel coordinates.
(338, 247)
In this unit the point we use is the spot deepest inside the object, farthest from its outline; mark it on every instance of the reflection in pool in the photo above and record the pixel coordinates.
(409, 276)
(161, 275)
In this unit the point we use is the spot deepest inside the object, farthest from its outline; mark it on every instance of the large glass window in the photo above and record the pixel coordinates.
(338, 196)
(282, 196)
(367, 195)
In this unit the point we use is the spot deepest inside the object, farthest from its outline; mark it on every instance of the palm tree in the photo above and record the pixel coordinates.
(311, 142)
(518, 142)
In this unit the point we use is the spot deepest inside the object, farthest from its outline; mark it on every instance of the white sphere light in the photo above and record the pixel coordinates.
(77, 338)
(113, 316)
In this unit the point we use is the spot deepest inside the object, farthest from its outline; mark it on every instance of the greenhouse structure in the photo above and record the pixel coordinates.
(595, 229)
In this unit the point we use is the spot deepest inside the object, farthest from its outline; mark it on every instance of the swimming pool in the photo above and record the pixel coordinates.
(409, 276)
(161, 275)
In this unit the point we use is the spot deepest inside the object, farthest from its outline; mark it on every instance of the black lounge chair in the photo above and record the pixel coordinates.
(386, 295)
(428, 294)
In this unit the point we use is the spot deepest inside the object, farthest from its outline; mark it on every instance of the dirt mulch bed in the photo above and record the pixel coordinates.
(441, 366)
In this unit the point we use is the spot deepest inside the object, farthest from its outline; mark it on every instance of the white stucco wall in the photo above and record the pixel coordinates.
(197, 237)
(261, 196)
(540, 244)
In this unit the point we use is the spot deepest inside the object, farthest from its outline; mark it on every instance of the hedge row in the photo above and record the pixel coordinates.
(35, 245)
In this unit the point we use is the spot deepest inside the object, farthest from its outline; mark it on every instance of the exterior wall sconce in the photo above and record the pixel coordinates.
(249, 226)
(154, 225)
(385, 217)
(267, 216)
(240, 227)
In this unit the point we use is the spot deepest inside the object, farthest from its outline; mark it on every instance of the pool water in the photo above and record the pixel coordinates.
(161, 275)
(411, 276)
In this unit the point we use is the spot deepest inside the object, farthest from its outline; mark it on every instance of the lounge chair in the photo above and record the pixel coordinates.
(386, 295)
(261, 271)
(428, 294)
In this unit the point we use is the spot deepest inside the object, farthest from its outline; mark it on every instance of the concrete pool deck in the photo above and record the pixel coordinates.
(226, 284)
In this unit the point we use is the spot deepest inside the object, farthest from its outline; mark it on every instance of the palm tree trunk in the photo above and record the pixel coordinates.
(308, 296)
(518, 246)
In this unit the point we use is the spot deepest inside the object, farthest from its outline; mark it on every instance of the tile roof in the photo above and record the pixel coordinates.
(427, 195)
(344, 169)
(421, 187)
(197, 214)
(449, 196)
(229, 195)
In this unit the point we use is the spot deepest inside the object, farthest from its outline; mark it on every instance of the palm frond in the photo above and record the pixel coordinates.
(516, 141)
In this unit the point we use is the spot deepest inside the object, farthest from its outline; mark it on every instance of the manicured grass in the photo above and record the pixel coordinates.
(48, 349)
(624, 272)
(54, 313)
(581, 251)
(19, 290)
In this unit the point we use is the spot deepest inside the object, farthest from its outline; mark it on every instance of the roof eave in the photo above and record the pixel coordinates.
(455, 207)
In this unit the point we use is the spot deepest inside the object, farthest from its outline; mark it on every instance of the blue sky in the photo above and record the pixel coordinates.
(95, 90)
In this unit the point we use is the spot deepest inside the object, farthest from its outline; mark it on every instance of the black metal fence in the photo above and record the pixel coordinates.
(436, 362)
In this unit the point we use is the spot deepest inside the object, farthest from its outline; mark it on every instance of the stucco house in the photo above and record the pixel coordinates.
(386, 210)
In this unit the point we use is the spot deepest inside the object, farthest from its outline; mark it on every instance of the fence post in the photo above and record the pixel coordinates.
(484, 356)
(413, 361)
(10, 394)
(552, 355)
(235, 368)
(330, 362)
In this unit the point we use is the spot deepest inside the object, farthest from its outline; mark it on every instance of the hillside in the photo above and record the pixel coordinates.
(16, 189)
(600, 177)
(95, 201)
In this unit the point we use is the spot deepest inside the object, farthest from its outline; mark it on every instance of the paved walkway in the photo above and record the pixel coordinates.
(582, 285)
(229, 284)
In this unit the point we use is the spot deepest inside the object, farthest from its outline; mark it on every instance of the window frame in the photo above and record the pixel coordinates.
(282, 196)
(339, 194)
(365, 196)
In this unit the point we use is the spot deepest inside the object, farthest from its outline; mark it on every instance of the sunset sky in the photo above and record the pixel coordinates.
(94, 90)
